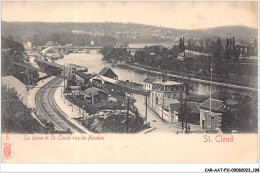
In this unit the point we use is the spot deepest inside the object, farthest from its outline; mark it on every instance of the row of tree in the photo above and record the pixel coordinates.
(75, 39)
(118, 54)
(205, 45)
(225, 60)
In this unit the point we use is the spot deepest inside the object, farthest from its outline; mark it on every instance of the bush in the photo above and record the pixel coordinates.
(94, 108)
(16, 117)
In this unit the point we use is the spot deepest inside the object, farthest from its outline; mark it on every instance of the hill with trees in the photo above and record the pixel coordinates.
(108, 33)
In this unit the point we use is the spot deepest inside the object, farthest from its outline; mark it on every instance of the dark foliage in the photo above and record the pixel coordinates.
(17, 118)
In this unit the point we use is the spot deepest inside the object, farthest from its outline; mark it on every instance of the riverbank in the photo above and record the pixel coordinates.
(145, 69)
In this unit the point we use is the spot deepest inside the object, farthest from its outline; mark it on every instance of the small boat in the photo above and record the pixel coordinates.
(78, 67)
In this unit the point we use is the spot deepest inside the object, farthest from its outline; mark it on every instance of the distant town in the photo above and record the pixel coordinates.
(140, 79)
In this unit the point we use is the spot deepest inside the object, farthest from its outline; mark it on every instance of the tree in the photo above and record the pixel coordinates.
(234, 43)
(245, 115)
(255, 47)
(139, 57)
(218, 54)
(236, 53)
(227, 45)
(181, 45)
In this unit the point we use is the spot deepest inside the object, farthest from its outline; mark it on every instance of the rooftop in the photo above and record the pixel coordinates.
(216, 105)
(92, 91)
(189, 55)
(105, 70)
(106, 79)
(150, 80)
(167, 83)
(193, 106)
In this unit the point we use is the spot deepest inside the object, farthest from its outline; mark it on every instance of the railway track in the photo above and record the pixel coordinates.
(48, 109)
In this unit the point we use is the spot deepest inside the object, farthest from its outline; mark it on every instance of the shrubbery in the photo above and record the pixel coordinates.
(16, 117)
(94, 108)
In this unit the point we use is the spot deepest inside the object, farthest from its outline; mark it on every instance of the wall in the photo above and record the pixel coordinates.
(165, 98)
(209, 122)
(166, 114)
(147, 86)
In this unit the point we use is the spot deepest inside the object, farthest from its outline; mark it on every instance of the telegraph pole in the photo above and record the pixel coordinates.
(83, 121)
(131, 94)
(146, 106)
(182, 125)
(28, 76)
(127, 114)
(64, 78)
(188, 113)
(162, 105)
(185, 112)
(211, 69)
(152, 97)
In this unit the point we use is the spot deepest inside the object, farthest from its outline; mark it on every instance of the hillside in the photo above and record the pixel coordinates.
(41, 32)
(241, 32)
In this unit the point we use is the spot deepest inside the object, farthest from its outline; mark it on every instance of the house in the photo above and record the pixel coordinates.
(184, 55)
(211, 112)
(27, 45)
(193, 116)
(94, 95)
(165, 93)
(75, 90)
(85, 76)
(189, 55)
(80, 80)
(148, 83)
(181, 56)
(105, 82)
(108, 72)
(52, 43)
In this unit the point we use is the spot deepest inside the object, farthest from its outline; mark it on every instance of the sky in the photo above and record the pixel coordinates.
(179, 15)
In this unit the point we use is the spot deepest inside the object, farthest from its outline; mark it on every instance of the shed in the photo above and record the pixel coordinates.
(194, 112)
(108, 72)
(94, 95)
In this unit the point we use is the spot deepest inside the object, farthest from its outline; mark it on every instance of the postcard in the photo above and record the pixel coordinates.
(129, 82)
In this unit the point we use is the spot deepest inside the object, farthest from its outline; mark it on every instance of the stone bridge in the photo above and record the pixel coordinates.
(63, 49)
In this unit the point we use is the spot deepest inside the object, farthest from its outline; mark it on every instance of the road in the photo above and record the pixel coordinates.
(47, 108)
(154, 120)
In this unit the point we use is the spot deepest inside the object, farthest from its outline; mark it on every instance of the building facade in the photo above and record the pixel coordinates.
(165, 93)
(108, 72)
(193, 115)
(211, 112)
(148, 84)
(52, 43)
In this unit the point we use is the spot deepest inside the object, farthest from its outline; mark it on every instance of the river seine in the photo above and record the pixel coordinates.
(93, 61)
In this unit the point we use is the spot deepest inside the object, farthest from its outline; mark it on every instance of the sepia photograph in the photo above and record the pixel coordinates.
(107, 78)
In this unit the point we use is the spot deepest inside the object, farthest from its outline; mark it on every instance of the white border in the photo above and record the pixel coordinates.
(127, 167)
